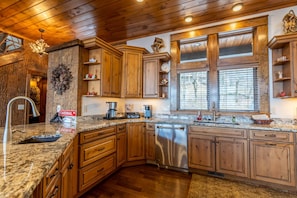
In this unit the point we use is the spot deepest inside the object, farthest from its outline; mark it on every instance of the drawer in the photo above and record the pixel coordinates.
(96, 171)
(272, 135)
(54, 190)
(150, 126)
(218, 131)
(121, 128)
(51, 178)
(67, 152)
(95, 135)
(93, 151)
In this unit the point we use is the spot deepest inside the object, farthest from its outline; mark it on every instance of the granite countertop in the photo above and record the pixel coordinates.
(22, 166)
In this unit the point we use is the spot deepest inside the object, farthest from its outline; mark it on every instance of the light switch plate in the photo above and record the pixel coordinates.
(21, 106)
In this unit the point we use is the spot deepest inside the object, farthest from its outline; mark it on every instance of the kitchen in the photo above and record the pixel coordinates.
(281, 109)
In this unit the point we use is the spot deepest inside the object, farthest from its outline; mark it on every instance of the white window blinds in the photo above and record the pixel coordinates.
(193, 90)
(238, 90)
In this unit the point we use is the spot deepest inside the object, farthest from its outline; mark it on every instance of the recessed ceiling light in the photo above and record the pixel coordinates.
(139, 1)
(237, 7)
(188, 19)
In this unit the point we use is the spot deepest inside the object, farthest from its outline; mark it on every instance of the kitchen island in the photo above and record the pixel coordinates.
(23, 166)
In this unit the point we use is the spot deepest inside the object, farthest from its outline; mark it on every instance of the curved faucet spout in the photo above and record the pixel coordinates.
(7, 134)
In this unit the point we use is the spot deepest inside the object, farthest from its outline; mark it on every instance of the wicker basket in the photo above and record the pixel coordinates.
(262, 121)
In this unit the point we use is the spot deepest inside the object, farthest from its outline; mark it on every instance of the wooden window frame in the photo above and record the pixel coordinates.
(260, 57)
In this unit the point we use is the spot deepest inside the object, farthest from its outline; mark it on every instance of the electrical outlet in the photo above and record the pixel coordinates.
(21, 106)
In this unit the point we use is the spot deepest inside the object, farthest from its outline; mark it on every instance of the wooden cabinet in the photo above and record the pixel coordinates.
(97, 151)
(223, 150)
(150, 142)
(132, 71)
(51, 182)
(108, 68)
(135, 141)
(284, 57)
(155, 76)
(121, 145)
(272, 157)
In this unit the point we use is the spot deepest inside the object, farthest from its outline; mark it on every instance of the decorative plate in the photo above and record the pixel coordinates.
(165, 67)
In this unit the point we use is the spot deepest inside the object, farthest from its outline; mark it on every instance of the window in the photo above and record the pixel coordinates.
(231, 70)
(9, 43)
(193, 50)
(193, 91)
(238, 89)
(236, 44)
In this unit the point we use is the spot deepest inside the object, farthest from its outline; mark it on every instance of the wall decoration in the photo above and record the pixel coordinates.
(61, 78)
(290, 22)
(157, 45)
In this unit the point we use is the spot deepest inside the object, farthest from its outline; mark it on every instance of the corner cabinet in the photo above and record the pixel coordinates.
(284, 58)
(155, 75)
(135, 141)
(104, 74)
(132, 71)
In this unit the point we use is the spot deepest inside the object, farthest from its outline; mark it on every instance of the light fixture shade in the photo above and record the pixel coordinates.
(237, 7)
(188, 19)
(40, 45)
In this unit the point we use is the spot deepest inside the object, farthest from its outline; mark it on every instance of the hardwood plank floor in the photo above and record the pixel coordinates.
(142, 182)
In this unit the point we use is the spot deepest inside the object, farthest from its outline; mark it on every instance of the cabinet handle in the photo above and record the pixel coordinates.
(53, 175)
(101, 149)
(100, 170)
(55, 192)
(270, 135)
(270, 144)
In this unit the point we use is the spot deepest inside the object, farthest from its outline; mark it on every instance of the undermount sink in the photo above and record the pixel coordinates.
(214, 122)
(40, 139)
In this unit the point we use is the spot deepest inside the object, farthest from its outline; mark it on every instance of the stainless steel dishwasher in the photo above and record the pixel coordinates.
(171, 146)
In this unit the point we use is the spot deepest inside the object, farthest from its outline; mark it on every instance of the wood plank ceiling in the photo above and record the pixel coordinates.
(117, 20)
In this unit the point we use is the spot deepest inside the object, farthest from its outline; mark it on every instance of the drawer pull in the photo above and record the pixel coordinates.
(53, 175)
(122, 128)
(270, 135)
(101, 149)
(70, 166)
(100, 170)
(270, 144)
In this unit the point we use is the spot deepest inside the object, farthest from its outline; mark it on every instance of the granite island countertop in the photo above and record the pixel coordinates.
(22, 166)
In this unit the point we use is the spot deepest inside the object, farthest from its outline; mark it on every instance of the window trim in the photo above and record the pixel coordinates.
(260, 57)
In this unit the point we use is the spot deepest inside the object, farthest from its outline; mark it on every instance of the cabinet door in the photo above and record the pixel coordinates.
(273, 162)
(150, 145)
(232, 156)
(201, 152)
(106, 73)
(121, 148)
(133, 74)
(151, 78)
(67, 172)
(135, 141)
(116, 76)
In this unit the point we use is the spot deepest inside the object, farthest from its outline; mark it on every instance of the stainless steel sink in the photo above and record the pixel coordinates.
(214, 122)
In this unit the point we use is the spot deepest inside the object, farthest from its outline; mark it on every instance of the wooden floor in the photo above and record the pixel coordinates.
(142, 182)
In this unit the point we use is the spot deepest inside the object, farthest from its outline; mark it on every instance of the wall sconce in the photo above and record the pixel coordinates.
(188, 19)
(237, 7)
(39, 46)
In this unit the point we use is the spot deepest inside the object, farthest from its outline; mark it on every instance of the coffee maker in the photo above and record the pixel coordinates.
(112, 110)
(147, 111)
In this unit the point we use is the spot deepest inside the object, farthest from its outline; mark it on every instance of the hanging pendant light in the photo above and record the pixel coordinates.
(39, 46)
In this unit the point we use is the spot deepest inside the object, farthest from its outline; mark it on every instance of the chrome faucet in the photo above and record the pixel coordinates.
(7, 134)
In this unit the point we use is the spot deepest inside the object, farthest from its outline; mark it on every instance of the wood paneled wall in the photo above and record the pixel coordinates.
(15, 68)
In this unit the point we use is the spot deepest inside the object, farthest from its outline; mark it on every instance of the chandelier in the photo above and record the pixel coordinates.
(39, 46)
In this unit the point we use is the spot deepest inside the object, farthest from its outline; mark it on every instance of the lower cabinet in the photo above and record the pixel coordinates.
(97, 151)
(223, 150)
(51, 182)
(150, 142)
(272, 157)
(135, 141)
(121, 145)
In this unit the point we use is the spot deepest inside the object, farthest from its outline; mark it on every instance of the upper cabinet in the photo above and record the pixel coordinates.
(284, 58)
(155, 75)
(132, 71)
(105, 68)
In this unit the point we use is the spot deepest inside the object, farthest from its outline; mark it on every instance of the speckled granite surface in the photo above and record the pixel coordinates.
(210, 187)
(23, 166)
